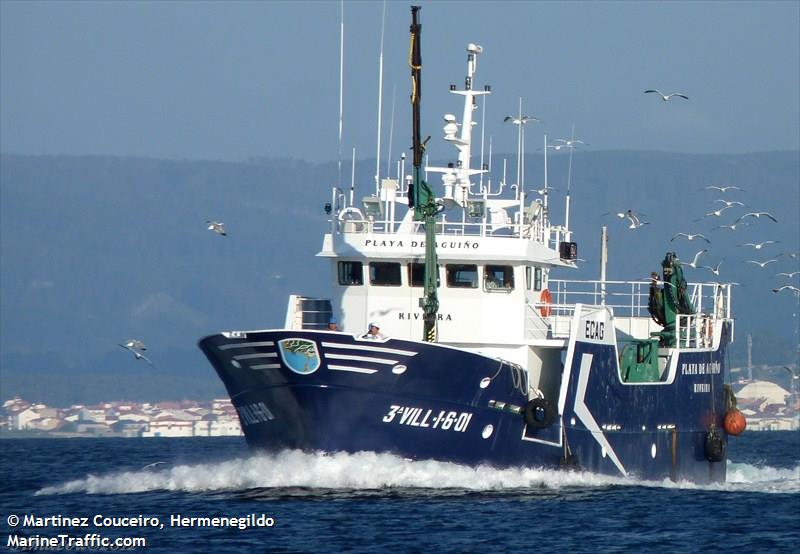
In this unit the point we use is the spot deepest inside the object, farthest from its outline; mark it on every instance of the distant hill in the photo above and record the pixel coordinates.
(97, 249)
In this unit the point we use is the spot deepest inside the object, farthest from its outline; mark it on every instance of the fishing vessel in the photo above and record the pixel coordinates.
(449, 335)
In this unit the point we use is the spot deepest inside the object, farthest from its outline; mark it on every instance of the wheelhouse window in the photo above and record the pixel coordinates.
(416, 274)
(537, 278)
(498, 277)
(528, 277)
(351, 273)
(463, 276)
(384, 274)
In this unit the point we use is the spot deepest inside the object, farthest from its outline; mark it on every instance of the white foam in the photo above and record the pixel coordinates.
(360, 471)
(370, 471)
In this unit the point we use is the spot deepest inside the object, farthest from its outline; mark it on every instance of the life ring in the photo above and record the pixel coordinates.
(546, 299)
(539, 413)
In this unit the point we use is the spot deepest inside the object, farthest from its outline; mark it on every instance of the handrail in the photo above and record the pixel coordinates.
(628, 300)
(537, 232)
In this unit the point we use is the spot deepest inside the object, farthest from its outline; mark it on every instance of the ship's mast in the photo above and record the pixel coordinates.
(420, 195)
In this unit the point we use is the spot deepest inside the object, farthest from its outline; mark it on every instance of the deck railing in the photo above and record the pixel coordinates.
(628, 300)
(540, 232)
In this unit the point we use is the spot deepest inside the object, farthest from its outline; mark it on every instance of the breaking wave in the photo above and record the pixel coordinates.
(293, 473)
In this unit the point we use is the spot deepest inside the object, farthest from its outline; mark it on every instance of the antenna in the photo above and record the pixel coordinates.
(569, 174)
(519, 145)
(341, 94)
(391, 135)
(483, 133)
(380, 101)
(353, 179)
(522, 164)
(545, 172)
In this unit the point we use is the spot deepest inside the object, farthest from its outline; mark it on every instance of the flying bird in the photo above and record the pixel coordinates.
(724, 189)
(558, 144)
(134, 343)
(733, 226)
(718, 212)
(693, 263)
(789, 275)
(790, 287)
(542, 192)
(138, 355)
(521, 120)
(761, 264)
(758, 215)
(760, 245)
(633, 217)
(690, 237)
(217, 226)
(714, 270)
(655, 280)
(730, 203)
(667, 96)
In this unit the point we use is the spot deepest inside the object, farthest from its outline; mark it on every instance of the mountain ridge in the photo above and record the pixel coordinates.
(97, 249)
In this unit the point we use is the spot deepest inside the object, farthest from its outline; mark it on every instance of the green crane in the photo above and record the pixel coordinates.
(420, 196)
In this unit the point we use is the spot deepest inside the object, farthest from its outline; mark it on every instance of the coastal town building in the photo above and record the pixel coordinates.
(766, 405)
(213, 418)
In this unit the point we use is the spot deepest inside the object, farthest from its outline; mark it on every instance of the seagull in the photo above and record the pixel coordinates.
(134, 343)
(719, 212)
(789, 275)
(558, 144)
(633, 217)
(154, 464)
(762, 264)
(542, 192)
(693, 263)
(730, 203)
(138, 355)
(724, 189)
(760, 245)
(668, 96)
(690, 237)
(655, 280)
(790, 287)
(733, 226)
(714, 270)
(521, 120)
(758, 215)
(635, 221)
(217, 227)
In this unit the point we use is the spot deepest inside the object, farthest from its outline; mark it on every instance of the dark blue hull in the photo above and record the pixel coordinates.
(323, 391)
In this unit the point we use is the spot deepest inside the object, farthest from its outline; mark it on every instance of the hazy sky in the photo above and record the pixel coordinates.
(230, 81)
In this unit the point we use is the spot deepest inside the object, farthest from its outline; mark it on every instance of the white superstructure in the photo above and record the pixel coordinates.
(496, 247)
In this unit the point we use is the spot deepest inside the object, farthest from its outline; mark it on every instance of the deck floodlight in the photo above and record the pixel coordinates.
(476, 208)
(372, 206)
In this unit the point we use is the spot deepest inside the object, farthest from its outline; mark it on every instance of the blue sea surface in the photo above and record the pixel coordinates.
(367, 502)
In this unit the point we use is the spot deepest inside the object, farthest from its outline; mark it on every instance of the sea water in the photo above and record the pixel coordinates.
(215, 495)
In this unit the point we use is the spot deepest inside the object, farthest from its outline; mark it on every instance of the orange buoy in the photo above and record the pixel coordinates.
(735, 422)
(546, 299)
